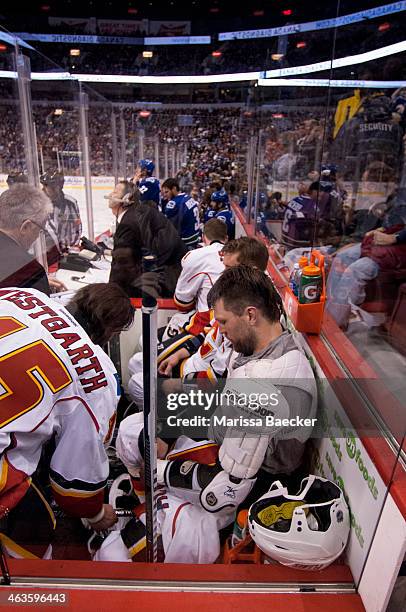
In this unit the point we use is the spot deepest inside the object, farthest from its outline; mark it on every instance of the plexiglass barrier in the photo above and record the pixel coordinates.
(310, 164)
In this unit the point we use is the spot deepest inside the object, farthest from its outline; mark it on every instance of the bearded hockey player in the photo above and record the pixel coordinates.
(59, 386)
(248, 311)
(197, 353)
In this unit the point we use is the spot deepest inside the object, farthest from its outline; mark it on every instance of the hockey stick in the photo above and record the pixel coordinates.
(149, 364)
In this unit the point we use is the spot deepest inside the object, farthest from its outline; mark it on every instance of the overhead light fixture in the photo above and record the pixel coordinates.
(144, 114)
(147, 54)
(277, 56)
(216, 54)
(384, 27)
(74, 52)
(301, 45)
(3, 48)
(58, 112)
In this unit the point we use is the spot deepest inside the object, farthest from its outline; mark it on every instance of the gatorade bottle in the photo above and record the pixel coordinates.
(293, 279)
(303, 261)
(240, 528)
(311, 284)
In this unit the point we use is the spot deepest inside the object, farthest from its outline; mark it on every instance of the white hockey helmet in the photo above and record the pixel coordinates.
(130, 442)
(305, 531)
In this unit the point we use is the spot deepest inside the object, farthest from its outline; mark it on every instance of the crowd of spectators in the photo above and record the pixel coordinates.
(232, 56)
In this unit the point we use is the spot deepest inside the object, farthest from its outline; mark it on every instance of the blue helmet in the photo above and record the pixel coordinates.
(147, 164)
(219, 196)
(328, 170)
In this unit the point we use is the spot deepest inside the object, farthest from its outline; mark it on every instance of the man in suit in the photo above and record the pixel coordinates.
(142, 229)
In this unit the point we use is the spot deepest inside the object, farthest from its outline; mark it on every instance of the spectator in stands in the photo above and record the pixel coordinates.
(142, 229)
(23, 214)
(355, 265)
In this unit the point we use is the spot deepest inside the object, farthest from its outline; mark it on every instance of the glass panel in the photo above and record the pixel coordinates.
(12, 156)
(266, 150)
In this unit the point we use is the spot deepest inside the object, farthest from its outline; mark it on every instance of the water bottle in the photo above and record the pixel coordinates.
(240, 528)
(303, 261)
(311, 285)
(292, 279)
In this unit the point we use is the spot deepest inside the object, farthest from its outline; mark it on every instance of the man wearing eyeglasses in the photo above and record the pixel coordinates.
(23, 213)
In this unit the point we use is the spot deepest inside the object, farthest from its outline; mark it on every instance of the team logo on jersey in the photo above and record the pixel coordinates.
(211, 499)
(230, 492)
(186, 467)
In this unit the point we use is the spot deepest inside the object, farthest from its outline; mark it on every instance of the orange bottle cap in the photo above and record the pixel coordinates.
(311, 270)
(242, 518)
(303, 261)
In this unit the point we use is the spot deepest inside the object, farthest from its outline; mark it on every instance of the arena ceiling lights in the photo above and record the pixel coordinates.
(311, 26)
(268, 78)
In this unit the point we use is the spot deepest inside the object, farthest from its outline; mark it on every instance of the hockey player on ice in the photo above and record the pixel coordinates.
(148, 185)
(183, 211)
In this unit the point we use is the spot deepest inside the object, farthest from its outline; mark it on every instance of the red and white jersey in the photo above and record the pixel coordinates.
(200, 270)
(54, 383)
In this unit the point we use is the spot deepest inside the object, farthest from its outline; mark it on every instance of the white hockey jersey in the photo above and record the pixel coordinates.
(189, 534)
(200, 270)
(54, 382)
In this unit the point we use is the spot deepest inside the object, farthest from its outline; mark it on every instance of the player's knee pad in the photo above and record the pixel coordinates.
(225, 493)
(241, 455)
(205, 485)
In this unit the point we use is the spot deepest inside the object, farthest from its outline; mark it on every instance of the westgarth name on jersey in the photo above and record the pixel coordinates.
(82, 357)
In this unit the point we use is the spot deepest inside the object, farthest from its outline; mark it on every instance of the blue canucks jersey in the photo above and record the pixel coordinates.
(209, 213)
(183, 211)
(149, 189)
(227, 217)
